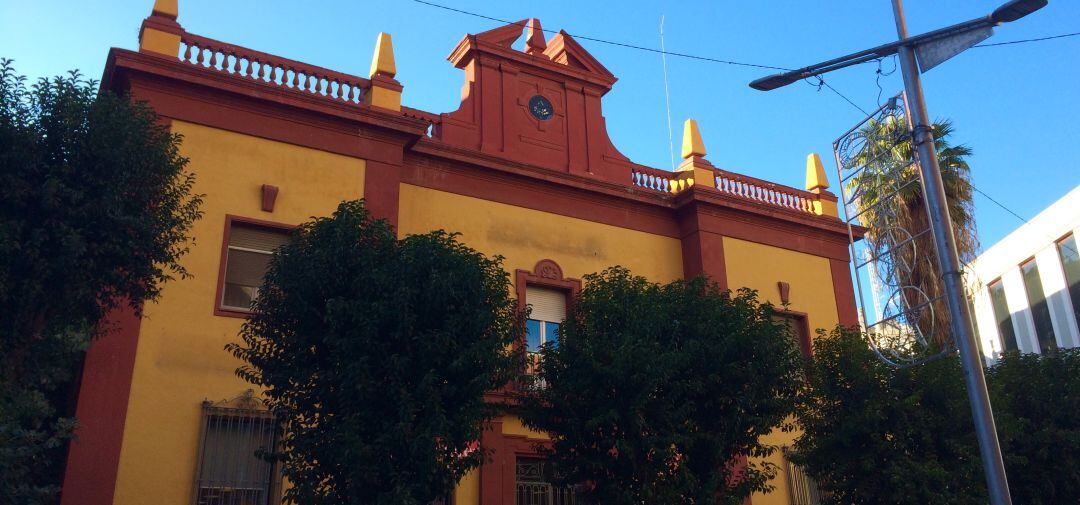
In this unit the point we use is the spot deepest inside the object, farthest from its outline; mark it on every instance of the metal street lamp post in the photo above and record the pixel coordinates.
(933, 48)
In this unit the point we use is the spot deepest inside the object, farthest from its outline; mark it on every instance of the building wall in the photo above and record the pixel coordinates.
(180, 360)
(508, 182)
(761, 267)
(1035, 239)
(524, 236)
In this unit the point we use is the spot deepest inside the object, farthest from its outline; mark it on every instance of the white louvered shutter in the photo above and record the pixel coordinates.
(547, 304)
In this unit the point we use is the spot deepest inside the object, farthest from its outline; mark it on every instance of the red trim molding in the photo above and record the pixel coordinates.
(94, 456)
(702, 249)
(230, 219)
(846, 312)
(548, 274)
(802, 329)
(382, 189)
(498, 474)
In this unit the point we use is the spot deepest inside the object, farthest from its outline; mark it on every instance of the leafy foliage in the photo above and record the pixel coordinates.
(656, 392)
(1036, 402)
(376, 353)
(875, 434)
(95, 207)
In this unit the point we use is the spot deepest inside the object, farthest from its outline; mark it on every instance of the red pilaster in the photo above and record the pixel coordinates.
(382, 186)
(493, 479)
(94, 458)
(846, 311)
(703, 250)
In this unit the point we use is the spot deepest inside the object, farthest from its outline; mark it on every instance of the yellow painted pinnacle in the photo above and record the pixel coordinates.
(815, 173)
(167, 8)
(382, 63)
(692, 145)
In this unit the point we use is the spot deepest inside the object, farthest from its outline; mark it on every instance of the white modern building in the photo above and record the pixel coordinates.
(1026, 288)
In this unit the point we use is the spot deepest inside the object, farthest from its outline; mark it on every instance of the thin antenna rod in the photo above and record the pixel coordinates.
(667, 96)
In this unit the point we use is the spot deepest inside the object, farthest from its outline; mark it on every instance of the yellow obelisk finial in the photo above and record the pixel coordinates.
(385, 91)
(382, 62)
(694, 170)
(692, 145)
(160, 33)
(818, 183)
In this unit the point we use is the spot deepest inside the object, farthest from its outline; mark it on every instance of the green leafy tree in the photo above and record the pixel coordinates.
(1037, 412)
(661, 393)
(890, 200)
(95, 207)
(376, 353)
(874, 434)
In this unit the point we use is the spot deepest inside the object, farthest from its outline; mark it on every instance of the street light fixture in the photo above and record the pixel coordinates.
(948, 42)
(933, 48)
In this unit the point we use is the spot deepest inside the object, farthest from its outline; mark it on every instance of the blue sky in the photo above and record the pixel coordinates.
(1014, 105)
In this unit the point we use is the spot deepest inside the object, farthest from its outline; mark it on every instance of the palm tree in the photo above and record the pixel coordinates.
(890, 201)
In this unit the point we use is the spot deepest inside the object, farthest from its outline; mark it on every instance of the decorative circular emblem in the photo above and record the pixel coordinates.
(540, 108)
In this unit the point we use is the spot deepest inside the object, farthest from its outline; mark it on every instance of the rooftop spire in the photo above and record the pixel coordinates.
(692, 145)
(815, 173)
(160, 33)
(694, 169)
(382, 62)
(534, 38)
(165, 8)
(385, 91)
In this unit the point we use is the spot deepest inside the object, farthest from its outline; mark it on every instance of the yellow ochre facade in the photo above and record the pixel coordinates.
(536, 181)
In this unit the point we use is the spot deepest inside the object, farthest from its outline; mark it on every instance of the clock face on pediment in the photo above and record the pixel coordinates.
(541, 108)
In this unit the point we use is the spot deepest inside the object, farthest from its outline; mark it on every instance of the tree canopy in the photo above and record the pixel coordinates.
(95, 209)
(876, 434)
(1037, 412)
(660, 393)
(375, 353)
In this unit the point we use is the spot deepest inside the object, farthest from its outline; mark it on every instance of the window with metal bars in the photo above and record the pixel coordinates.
(801, 487)
(230, 469)
(534, 487)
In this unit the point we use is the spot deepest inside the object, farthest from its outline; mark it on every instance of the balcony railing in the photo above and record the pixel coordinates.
(732, 184)
(271, 70)
(765, 192)
(542, 493)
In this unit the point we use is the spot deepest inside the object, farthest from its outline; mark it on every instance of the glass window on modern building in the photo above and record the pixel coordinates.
(230, 470)
(247, 257)
(1002, 316)
(535, 484)
(1040, 310)
(1070, 263)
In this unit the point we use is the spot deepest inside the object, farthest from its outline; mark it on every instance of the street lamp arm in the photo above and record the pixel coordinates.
(1010, 11)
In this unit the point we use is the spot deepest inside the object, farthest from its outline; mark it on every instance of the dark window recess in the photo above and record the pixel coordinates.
(1040, 310)
(1070, 262)
(799, 328)
(534, 485)
(249, 252)
(230, 471)
(1002, 316)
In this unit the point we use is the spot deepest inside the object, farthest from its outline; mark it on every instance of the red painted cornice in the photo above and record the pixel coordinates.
(186, 85)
